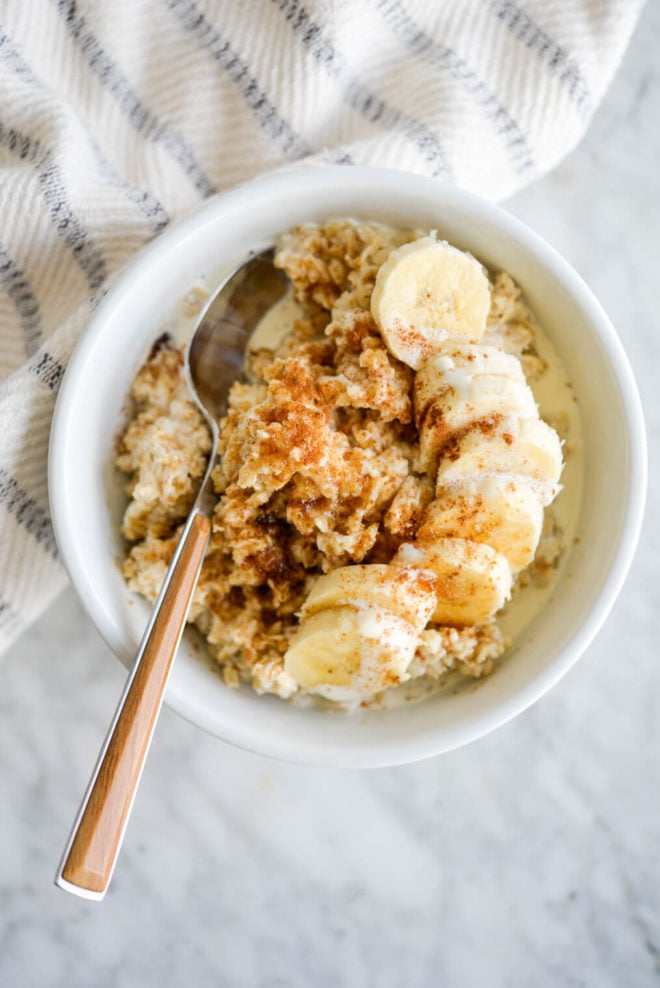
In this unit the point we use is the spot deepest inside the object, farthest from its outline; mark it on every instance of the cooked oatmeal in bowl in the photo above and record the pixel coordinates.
(388, 507)
(557, 603)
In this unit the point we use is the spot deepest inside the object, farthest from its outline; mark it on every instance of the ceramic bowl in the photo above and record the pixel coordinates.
(86, 500)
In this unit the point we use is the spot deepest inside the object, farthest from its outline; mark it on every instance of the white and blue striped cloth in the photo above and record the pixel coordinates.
(116, 117)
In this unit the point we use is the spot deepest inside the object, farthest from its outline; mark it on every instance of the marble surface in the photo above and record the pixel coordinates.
(529, 858)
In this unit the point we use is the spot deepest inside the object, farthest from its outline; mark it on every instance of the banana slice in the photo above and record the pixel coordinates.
(491, 397)
(503, 511)
(406, 592)
(480, 358)
(426, 292)
(529, 447)
(473, 581)
(457, 367)
(347, 653)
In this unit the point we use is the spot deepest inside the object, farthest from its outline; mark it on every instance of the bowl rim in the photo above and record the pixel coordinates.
(383, 753)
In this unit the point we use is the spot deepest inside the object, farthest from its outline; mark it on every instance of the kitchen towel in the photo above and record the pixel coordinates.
(117, 117)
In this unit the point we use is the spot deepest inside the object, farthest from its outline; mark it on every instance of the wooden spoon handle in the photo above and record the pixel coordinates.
(93, 847)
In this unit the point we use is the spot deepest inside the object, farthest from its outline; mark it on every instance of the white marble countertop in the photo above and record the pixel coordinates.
(529, 858)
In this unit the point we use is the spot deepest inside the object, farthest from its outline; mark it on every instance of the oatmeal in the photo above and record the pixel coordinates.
(381, 492)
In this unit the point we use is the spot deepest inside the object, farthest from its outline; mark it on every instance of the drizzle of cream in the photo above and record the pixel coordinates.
(276, 324)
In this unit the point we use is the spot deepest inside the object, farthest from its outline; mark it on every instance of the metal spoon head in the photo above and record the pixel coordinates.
(216, 350)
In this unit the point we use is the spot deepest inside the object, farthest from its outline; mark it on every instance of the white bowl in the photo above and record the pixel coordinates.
(86, 505)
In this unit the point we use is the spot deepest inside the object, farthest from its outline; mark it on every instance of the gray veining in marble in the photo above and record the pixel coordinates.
(531, 858)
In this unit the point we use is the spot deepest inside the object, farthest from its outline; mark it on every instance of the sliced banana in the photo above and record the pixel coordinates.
(346, 653)
(405, 591)
(491, 397)
(497, 466)
(426, 292)
(473, 580)
(504, 511)
(529, 447)
(456, 368)
(480, 358)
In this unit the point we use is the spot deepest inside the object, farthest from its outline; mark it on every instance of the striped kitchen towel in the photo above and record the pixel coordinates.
(116, 117)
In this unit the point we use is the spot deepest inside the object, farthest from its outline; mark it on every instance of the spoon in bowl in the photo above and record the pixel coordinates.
(213, 361)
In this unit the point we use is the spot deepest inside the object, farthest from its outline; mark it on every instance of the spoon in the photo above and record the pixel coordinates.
(213, 361)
